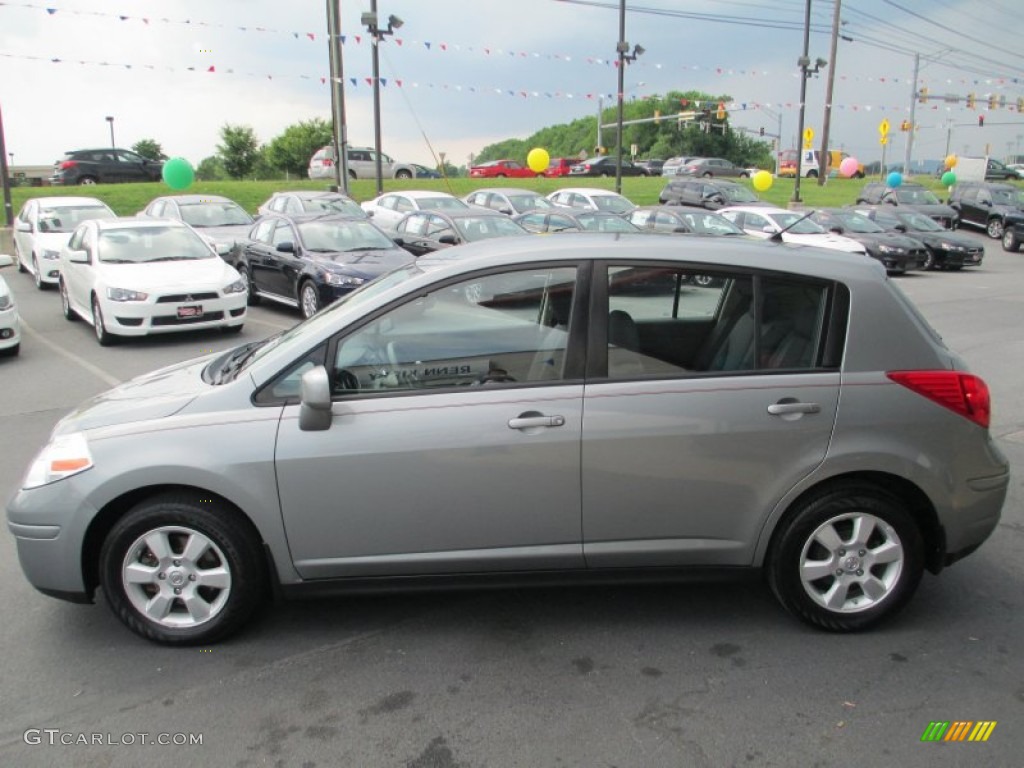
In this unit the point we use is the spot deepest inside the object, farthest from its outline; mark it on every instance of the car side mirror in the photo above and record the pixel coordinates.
(900, 227)
(24, 226)
(447, 239)
(836, 229)
(986, 203)
(682, 230)
(891, 200)
(315, 413)
(398, 240)
(286, 247)
(78, 257)
(769, 229)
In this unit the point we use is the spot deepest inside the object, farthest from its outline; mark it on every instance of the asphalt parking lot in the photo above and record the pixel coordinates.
(683, 675)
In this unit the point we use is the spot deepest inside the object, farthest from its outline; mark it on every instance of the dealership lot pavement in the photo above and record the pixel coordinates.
(683, 675)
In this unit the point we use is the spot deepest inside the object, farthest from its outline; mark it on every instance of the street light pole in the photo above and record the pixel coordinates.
(5, 176)
(622, 48)
(339, 132)
(376, 35)
(110, 119)
(805, 60)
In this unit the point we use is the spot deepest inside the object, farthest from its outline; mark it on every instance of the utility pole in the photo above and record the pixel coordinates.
(621, 47)
(5, 176)
(913, 113)
(340, 129)
(804, 60)
(827, 120)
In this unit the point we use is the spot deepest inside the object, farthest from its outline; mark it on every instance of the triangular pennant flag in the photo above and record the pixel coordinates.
(353, 81)
(384, 82)
(311, 36)
(427, 45)
(211, 69)
(51, 11)
(398, 41)
(398, 83)
(369, 80)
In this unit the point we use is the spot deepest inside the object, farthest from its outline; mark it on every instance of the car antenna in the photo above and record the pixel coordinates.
(777, 236)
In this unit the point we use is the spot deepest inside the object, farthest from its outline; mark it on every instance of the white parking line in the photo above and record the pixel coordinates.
(94, 370)
(251, 319)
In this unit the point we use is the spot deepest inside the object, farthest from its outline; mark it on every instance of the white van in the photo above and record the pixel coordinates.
(361, 164)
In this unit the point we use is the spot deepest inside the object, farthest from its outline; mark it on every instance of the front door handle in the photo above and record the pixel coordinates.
(785, 407)
(529, 421)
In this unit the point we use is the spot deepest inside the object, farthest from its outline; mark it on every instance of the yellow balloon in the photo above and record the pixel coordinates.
(762, 181)
(538, 160)
(951, 161)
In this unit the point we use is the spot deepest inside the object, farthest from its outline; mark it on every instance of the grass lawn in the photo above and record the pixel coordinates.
(129, 199)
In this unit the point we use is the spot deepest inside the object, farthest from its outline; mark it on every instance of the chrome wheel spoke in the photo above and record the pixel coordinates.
(217, 578)
(159, 606)
(889, 552)
(829, 538)
(137, 573)
(158, 544)
(835, 598)
(195, 547)
(816, 569)
(874, 588)
(863, 528)
(197, 608)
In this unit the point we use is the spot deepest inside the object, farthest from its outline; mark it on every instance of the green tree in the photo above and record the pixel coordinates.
(150, 149)
(292, 149)
(239, 150)
(211, 169)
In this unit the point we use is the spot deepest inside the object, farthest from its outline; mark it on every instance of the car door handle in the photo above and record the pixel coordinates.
(791, 406)
(527, 422)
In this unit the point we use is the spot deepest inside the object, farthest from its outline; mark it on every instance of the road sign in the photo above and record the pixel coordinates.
(808, 135)
(884, 140)
(883, 127)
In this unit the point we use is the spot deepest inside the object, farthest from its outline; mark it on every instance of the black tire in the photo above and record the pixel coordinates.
(929, 260)
(309, 299)
(858, 175)
(874, 568)
(1010, 241)
(251, 297)
(230, 545)
(103, 336)
(812, 174)
(87, 180)
(37, 275)
(707, 175)
(233, 328)
(994, 229)
(65, 302)
(403, 175)
(744, 175)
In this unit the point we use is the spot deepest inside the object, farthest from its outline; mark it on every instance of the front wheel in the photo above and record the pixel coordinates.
(87, 181)
(309, 299)
(181, 570)
(995, 228)
(929, 261)
(251, 297)
(103, 336)
(37, 274)
(1010, 241)
(848, 558)
(403, 175)
(65, 302)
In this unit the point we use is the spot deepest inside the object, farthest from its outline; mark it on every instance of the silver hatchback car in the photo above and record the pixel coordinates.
(527, 409)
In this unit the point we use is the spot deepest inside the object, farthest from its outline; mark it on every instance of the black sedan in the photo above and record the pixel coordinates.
(564, 220)
(605, 166)
(946, 249)
(311, 201)
(897, 252)
(309, 260)
(423, 232)
(663, 218)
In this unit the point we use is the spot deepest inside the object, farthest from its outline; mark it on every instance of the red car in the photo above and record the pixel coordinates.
(559, 166)
(500, 169)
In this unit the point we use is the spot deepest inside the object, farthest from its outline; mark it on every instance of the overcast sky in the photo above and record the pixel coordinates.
(461, 74)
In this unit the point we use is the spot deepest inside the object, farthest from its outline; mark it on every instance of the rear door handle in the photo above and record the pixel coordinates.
(783, 408)
(527, 422)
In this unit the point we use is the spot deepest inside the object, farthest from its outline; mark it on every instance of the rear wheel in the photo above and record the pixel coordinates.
(87, 181)
(707, 175)
(65, 302)
(403, 174)
(848, 558)
(812, 174)
(17, 258)
(180, 570)
(309, 299)
(995, 228)
(1010, 241)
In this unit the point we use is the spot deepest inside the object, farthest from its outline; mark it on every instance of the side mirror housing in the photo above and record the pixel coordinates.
(315, 410)
(837, 229)
(78, 257)
(23, 226)
(286, 247)
(447, 239)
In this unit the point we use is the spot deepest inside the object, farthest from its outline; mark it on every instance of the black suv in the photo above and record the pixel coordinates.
(707, 193)
(988, 206)
(104, 166)
(912, 197)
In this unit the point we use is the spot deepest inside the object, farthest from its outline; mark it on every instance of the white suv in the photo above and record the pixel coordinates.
(361, 164)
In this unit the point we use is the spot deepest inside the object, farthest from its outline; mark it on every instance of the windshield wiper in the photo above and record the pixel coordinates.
(777, 236)
(237, 360)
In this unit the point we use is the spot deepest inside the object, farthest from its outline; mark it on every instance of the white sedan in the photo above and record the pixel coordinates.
(592, 199)
(10, 334)
(42, 227)
(132, 277)
(788, 226)
(391, 207)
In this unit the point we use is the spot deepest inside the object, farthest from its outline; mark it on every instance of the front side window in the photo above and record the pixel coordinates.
(672, 321)
(499, 329)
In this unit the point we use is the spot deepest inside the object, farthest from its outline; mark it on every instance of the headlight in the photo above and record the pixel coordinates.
(951, 247)
(890, 249)
(123, 294)
(63, 456)
(333, 278)
(5, 301)
(236, 287)
(51, 254)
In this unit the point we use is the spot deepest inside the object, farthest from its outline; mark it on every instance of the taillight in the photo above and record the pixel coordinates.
(962, 393)
(328, 163)
(67, 164)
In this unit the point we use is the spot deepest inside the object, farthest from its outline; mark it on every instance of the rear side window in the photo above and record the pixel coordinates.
(670, 321)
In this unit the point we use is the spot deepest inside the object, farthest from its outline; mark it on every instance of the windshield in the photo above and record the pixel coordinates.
(529, 202)
(139, 245)
(912, 196)
(213, 214)
(709, 224)
(739, 194)
(441, 204)
(602, 222)
(612, 203)
(338, 204)
(343, 236)
(853, 222)
(921, 222)
(66, 218)
(805, 227)
(485, 227)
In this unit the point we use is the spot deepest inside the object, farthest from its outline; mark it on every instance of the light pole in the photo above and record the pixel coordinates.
(110, 119)
(622, 48)
(369, 20)
(804, 62)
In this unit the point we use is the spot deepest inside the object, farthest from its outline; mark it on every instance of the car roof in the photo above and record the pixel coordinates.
(193, 199)
(310, 194)
(418, 193)
(505, 191)
(471, 213)
(301, 218)
(136, 223)
(762, 209)
(65, 202)
(594, 191)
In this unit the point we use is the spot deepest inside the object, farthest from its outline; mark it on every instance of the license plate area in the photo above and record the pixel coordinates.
(190, 311)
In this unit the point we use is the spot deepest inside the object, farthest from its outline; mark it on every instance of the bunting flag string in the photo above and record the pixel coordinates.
(359, 82)
(498, 51)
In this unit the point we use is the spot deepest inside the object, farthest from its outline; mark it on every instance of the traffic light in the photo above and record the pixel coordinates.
(922, 95)
(970, 100)
(981, 121)
(992, 101)
(761, 131)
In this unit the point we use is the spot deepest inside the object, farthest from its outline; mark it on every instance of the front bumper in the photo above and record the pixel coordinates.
(130, 318)
(10, 328)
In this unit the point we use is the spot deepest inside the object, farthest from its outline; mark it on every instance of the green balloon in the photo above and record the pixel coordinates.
(177, 173)
(948, 179)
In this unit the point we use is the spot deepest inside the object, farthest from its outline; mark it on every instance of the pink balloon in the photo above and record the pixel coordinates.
(849, 166)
